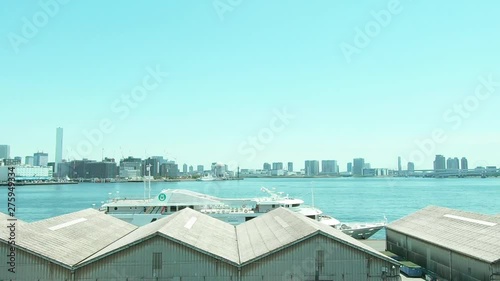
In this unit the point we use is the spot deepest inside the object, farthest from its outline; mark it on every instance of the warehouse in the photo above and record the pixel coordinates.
(453, 244)
(49, 249)
(280, 245)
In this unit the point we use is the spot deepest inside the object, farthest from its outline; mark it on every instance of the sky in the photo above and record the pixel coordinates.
(247, 82)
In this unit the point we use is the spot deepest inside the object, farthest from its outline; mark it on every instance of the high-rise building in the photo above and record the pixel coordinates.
(277, 165)
(439, 163)
(411, 167)
(311, 167)
(191, 169)
(59, 148)
(329, 167)
(4, 151)
(130, 168)
(349, 167)
(184, 168)
(40, 159)
(452, 164)
(29, 160)
(18, 159)
(358, 166)
(464, 164)
(399, 164)
(200, 168)
(290, 166)
(266, 167)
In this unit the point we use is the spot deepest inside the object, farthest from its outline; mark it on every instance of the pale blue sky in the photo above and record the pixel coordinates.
(230, 70)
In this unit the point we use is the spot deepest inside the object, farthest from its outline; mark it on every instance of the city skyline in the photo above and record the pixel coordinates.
(301, 81)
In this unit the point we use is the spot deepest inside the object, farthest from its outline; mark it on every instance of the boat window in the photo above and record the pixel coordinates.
(153, 220)
(192, 207)
(311, 217)
(173, 208)
(295, 205)
(274, 206)
(248, 218)
(181, 207)
(116, 208)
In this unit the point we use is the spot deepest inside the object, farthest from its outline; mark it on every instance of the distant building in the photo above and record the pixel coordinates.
(277, 165)
(130, 168)
(184, 168)
(169, 170)
(200, 168)
(358, 166)
(290, 166)
(11, 162)
(19, 159)
(399, 164)
(411, 167)
(439, 163)
(191, 169)
(266, 167)
(59, 148)
(29, 160)
(349, 167)
(464, 164)
(311, 167)
(101, 170)
(329, 167)
(4, 151)
(219, 170)
(452, 164)
(40, 159)
(25, 173)
(154, 163)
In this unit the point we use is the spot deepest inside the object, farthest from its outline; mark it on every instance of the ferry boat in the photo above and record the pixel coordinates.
(232, 210)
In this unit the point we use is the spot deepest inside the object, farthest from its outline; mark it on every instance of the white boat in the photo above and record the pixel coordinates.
(208, 177)
(232, 210)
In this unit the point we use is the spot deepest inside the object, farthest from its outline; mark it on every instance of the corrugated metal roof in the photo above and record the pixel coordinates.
(471, 234)
(70, 238)
(280, 228)
(189, 227)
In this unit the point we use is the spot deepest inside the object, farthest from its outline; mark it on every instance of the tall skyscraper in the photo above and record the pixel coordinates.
(290, 166)
(59, 148)
(439, 163)
(200, 168)
(358, 166)
(399, 164)
(4, 151)
(191, 169)
(278, 166)
(312, 167)
(184, 168)
(329, 167)
(464, 164)
(40, 159)
(452, 164)
(349, 167)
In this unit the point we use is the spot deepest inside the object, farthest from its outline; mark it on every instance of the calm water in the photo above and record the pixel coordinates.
(347, 199)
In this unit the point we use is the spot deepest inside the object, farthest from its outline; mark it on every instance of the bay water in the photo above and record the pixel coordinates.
(346, 199)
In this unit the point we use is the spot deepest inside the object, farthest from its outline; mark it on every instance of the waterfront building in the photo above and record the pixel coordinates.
(101, 170)
(90, 245)
(4, 151)
(27, 173)
(200, 169)
(329, 167)
(11, 162)
(266, 167)
(169, 170)
(439, 163)
(358, 166)
(29, 160)
(349, 167)
(184, 168)
(277, 166)
(290, 166)
(454, 244)
(154, 163)
(399, 164)
(311, 167)
(59, 148)
(452, 164)
(464, 164)
(40, 159)
(130, 168)
(411, 167)
(219, 170)
(191, 169)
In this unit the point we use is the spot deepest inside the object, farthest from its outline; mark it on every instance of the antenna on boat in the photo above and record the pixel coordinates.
(148, 168)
